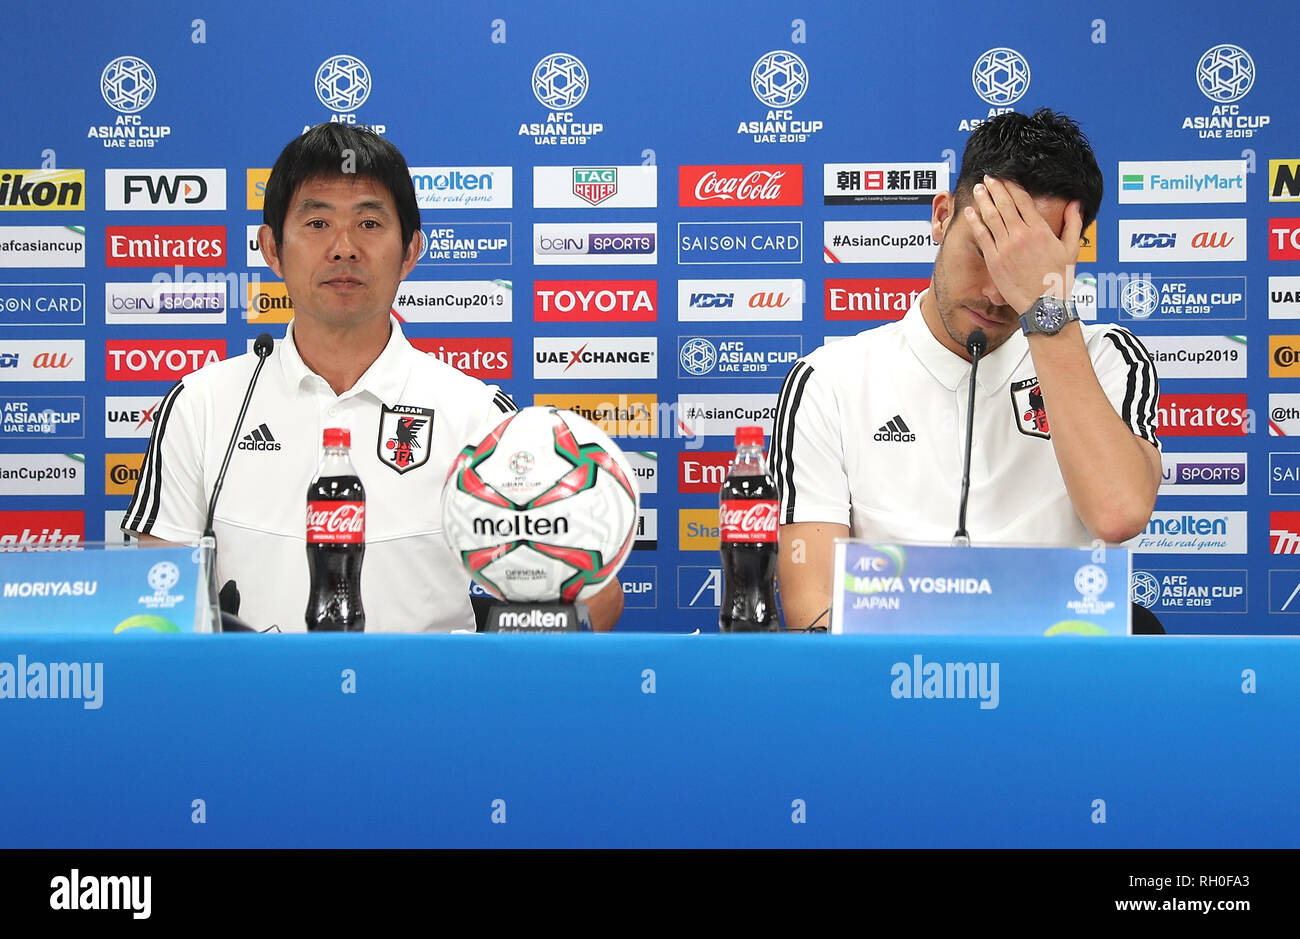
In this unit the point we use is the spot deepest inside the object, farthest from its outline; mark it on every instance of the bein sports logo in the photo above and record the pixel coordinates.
(342, 83)
(1225, 73)
(560, 81)
(128, 84)
(1139, 299)
(779, 79)
(1001, 76)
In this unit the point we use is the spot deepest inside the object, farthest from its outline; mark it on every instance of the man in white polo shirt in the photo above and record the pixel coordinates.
(342, 242)
(870, 430)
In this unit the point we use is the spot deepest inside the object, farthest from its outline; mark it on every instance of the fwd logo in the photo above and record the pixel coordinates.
(1149, 240)
(164, 190)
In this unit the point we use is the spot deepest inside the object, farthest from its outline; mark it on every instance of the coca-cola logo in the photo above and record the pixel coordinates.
(741, 185)
(748, 521)
(334, 522)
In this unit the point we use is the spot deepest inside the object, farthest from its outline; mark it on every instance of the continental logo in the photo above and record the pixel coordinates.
(697, 529)
(257, 188)
(268, 302)
(1284, 356)
(619, 415)
(121, 471)
(42, 190)
(1284, 180)
(1088, 243)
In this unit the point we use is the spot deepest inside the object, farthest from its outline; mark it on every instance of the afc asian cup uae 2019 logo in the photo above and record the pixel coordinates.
(128, 84)
(560, 81)
(779, 79)
(1001, 76)
(1139, 299)
(698, 356)
(1144, 589)
(1225, 73)
(343, 83)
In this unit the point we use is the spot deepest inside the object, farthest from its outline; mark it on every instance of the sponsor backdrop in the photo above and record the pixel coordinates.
(622, 211)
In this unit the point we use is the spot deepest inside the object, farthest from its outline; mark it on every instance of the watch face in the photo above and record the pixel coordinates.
(1050, 316)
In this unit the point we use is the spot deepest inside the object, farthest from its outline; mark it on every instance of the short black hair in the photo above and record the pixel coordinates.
(319, 154)
(1044, 152)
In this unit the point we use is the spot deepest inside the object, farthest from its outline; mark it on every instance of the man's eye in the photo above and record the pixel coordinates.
(370, 224)
(316, 223)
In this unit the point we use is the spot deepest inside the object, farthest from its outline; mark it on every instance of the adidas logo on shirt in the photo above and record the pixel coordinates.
(896, 430)
(258, 439)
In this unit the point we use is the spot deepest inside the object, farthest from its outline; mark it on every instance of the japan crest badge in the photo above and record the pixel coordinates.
(405, 435)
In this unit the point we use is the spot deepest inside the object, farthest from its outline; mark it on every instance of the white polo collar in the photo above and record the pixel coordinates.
(948, 368)
(384, 379)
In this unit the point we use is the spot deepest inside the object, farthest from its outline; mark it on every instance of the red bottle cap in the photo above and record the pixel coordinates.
(338, 437)
(749, 436)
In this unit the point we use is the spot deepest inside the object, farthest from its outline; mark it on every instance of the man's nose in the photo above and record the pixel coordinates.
(344, 246)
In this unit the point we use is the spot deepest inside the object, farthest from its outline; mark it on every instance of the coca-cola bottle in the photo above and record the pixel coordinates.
(747, 528)
(336, 539)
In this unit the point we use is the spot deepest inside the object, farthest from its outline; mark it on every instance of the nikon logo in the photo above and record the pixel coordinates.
(34, 190)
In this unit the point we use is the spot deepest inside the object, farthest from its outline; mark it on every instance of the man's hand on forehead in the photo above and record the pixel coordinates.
(1025, 257)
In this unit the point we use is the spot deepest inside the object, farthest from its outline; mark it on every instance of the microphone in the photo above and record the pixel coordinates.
(262, 347)
(976, 343)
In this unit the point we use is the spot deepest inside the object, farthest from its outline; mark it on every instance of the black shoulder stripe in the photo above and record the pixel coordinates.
(782, 448)
(143, 510)
(1142, 391)
(504, 402)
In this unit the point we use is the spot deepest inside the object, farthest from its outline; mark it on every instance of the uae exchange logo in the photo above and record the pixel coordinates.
(560, 81)
(343, 83)
(1001, 76)
(1225, 73)
(1139, 299)
(698, 356)
(779, 79)
(128, 84)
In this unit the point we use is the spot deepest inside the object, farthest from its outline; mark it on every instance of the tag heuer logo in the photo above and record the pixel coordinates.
(595, 184)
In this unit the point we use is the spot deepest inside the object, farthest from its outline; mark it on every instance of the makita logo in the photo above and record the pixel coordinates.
(741, 185)
(42, 189)
(258, 439)
(628, 300)
(895, 431)
(1150, 240)
(147, 246)
(41, 531)
(159, 359)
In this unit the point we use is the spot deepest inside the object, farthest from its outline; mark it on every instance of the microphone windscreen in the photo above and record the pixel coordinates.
(263, 345)
(976, 342)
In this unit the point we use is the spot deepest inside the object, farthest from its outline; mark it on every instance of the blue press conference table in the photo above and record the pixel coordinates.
(654, 741)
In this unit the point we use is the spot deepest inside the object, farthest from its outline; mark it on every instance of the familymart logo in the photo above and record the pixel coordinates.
(42, 681)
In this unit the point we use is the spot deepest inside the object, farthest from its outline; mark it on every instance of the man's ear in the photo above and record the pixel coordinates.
(942, 210)
(266, 241)
(413, 252)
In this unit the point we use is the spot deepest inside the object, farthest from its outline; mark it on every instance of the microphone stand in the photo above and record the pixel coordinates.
(976, 343)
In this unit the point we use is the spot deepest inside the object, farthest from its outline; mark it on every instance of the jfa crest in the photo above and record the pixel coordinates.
(1027, 402)
(405, 435)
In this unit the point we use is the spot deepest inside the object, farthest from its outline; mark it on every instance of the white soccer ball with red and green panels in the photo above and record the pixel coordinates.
(543, 509)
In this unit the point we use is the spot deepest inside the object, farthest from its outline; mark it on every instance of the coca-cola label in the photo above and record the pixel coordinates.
(747, 520)
(780, 184)
(336, 523)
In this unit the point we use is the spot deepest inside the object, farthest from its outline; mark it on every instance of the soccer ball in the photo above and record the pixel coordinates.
(543, 509)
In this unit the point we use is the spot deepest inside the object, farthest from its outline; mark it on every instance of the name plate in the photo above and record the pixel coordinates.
(989, 591)
(90, 590)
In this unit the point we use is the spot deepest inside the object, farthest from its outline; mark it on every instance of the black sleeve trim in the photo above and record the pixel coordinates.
(143, 510)
(1142, 393)
(782, 448)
